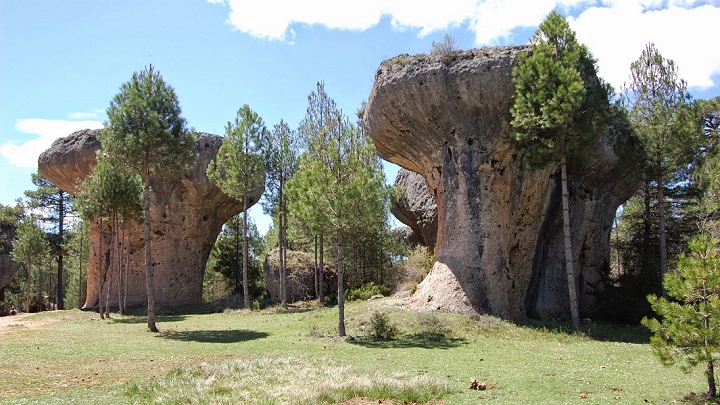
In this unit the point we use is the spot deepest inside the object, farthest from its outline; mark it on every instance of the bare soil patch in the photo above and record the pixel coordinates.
(7, 323)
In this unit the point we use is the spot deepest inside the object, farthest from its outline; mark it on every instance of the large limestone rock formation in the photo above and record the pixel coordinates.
(499, 239)
(416, 208)
(186, 217)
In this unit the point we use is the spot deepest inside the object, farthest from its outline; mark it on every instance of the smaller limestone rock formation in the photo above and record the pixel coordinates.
(186, 217)
(300, 276)
(416, 208)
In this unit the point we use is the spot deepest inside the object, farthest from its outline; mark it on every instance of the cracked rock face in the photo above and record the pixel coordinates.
(186, 216)
(499, 224)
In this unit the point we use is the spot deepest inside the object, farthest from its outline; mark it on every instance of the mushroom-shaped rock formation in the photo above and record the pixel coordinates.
(499, 240)
(186, 217)
(416, 208)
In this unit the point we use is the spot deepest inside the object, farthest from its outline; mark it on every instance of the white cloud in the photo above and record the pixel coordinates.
(616, 31)
(25, 154)
(96, 113)
(617, 36)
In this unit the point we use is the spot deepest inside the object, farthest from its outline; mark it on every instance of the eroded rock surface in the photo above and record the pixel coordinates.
(416, 208)
(499, 238)
(186, 217)
(300, 276)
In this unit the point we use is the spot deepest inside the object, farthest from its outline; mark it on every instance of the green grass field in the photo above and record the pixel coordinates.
(292, 357)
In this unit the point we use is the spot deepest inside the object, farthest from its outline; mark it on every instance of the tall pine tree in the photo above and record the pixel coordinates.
(559, 107)
(239, 168)
(147, 133)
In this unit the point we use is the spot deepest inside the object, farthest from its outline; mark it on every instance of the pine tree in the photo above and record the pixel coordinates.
(146, 132)
(239, 168)
(56, 206)
(30, 247)
(282, 156)
(559, 107)
(657, 101)
(337, 182)
(689, 328)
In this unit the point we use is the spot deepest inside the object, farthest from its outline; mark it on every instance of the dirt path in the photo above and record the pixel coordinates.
(8, 323)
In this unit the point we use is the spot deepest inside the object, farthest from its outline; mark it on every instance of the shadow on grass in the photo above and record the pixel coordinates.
(410, 341)
(214, 336)
(133, 319)
(600, 331)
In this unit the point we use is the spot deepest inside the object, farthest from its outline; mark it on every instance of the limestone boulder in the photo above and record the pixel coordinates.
(300, 276)
(416, 208)
(499, 224)
(186, 216)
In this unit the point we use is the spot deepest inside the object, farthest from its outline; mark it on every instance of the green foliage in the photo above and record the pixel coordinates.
(558, 102)
(658, 106)
(11, 215)
(689, 328)
(145, 130)
(227, 256)
(110, 190)
(238, 168)
(77, 246)
(708, 167)
(31, 248)
(381, 327)
(368, 290)
(49, 201)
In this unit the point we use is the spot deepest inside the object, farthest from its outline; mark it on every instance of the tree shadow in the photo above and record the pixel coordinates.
(135, 319)
(600, 331)
(415, 340)
(214, 336)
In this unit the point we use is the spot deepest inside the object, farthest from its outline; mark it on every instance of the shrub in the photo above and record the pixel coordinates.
(445, 48)
(432, 327)
(381, 327)
(367, 290)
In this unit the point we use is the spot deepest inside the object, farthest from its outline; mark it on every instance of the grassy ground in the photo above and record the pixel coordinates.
(278, 357)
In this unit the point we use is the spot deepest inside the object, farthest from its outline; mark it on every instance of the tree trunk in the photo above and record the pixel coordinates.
(283, 264)
(148, 257)
(27, 290)
(111, 266)
(80, 271)
(569, 261)
(661, 226)
(341, 288)
(238, 254)
(246, 287)
(61, 233)
(101, 268)
(127, 268)
(317, 286)
(322, 268)
(121, 263)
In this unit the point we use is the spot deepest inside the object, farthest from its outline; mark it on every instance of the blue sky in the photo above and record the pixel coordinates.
(62, 61)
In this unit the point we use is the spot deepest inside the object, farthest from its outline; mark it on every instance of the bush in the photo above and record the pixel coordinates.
(445, 48)
(365, 291)
(432, 327)
(381, 327)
